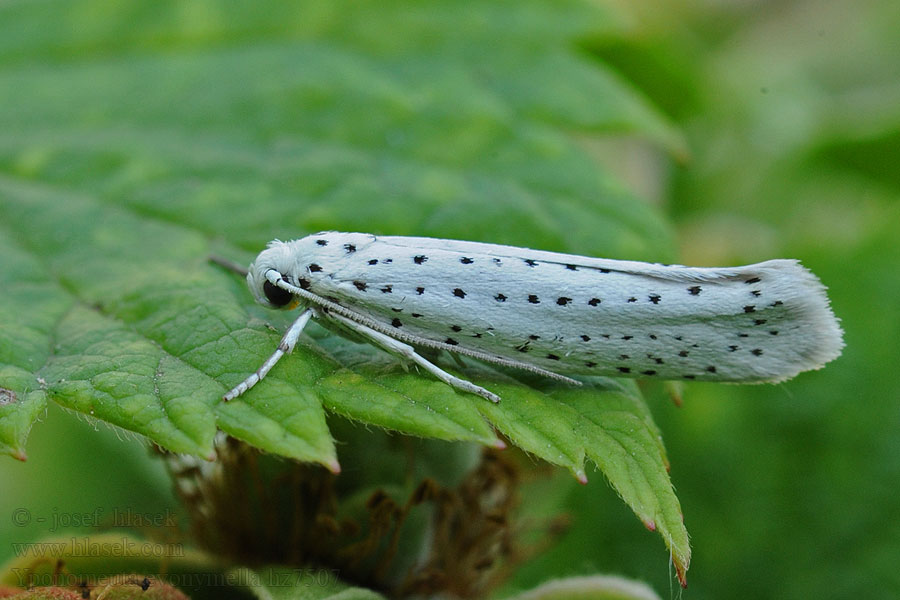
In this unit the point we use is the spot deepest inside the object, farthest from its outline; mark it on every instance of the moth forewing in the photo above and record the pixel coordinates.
(559, 314)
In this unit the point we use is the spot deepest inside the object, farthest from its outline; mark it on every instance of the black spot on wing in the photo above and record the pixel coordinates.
(533, 299)
(322, 242)
(350, 248)
(420, 259)
(695, 290)
(459, 293)
(360, 285)
(466, 260)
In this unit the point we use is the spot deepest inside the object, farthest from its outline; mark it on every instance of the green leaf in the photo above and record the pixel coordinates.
(18, 409)
(30, 305)
(610, 424)
(623, 441)
(135, 141)
(298, 584)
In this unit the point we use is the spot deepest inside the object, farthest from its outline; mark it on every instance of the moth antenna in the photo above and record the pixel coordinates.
(227, 264)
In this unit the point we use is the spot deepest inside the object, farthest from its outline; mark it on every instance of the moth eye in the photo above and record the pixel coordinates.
(275, 295)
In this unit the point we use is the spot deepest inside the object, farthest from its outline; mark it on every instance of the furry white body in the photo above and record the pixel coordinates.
(560, 314)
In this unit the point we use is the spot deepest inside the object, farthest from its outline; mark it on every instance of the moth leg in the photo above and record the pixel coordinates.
(408, 352)
(286, 346)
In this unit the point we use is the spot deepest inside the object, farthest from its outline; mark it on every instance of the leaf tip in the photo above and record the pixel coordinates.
(20, 455)
(581, 477)
(675, 390)
(681, 573)
(334, 466)
(499, 444)
(650, 524)
(681, 566)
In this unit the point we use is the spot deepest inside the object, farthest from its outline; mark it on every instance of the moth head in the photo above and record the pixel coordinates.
(278, 258)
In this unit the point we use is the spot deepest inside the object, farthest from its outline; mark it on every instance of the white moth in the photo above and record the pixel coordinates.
(550, 313)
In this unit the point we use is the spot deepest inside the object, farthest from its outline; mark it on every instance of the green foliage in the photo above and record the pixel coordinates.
(793, 112)
(137, 140)
(299, 584)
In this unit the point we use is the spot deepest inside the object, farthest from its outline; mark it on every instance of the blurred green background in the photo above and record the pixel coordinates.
(790, 113)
